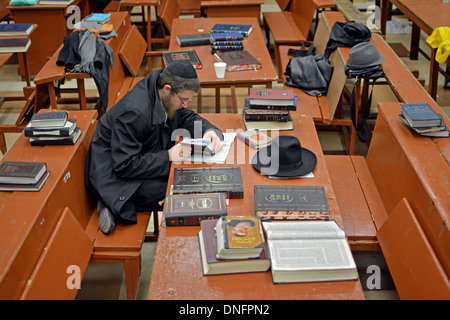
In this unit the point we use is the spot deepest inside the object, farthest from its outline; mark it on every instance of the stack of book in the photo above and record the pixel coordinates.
(22, 176)
(226, 41)
(233, 245)
(228, 37)
(52, 128)
(424, 120)
(269, 109)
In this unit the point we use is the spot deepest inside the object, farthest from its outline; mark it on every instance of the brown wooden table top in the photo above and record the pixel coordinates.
(254, 44)
(177, 271)
(427, 14)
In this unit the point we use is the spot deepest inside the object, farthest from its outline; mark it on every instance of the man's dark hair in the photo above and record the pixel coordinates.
(177, 83)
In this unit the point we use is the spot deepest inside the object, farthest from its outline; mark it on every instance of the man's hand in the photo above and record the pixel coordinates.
(216, 143)
(178, 153)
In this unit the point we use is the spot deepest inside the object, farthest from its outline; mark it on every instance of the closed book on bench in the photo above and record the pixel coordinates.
(21, 172)
(420, 115)
(14, 45)
(44, 141)
(63, 131)
(190, 209)
(98, 17)
(48, 119)
(26, 187)
(291, 203)
(15, 29)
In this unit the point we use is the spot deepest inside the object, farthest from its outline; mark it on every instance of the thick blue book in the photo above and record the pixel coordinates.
(420, 115)
(15, 29)
(227, 36)
(244, 29)
(98, 17)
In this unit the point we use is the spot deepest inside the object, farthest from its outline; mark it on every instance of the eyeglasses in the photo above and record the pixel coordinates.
(183, 102)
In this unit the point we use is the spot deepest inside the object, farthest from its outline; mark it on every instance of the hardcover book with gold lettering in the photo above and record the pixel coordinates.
(291, 202)
(190, 209)
(226, 179)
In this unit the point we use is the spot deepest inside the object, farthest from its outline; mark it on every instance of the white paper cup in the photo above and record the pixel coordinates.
(220, 69)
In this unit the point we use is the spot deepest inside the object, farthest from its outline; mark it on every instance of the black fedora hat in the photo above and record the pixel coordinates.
(285, 157)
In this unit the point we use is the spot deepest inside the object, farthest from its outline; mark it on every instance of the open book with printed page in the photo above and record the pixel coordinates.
(307, 251)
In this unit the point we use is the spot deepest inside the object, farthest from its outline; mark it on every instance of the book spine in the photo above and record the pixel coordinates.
(292, 215)
(244, 33)
(29, 132)
(227, 47)
(268, 107)
(190, 221)
(260, 117)
(226, 43)
(193, 42)
(243, 67)
(228, 194)
(226, 38)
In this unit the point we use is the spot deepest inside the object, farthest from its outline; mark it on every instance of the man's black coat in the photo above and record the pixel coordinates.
(130, 144)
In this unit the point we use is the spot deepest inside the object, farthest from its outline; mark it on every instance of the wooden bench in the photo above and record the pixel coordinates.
(289, 26)
(360, 204)
(65, 206)
(415, 268)
(396, 199)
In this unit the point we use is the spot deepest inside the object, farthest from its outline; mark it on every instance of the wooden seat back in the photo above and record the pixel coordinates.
(302, 11)
(412, 262)
(168, 10)
(133, 50)
(283, 4)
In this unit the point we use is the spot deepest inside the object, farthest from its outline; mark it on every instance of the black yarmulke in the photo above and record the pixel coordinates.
(182, 68)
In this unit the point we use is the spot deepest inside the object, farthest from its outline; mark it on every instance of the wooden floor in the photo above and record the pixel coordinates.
(106, 281)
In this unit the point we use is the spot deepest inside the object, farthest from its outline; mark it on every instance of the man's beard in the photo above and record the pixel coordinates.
(170, 113)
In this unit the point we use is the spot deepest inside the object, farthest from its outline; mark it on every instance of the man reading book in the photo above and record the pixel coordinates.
(129, 158)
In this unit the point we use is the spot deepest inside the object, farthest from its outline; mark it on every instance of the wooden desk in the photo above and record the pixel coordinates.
(426, 16)
(51, 20)
(232, 8)
(254, 44)
(28, 219)
(404, 164)
(177, 271)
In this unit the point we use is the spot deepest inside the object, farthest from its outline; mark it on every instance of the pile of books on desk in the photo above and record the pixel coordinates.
(233, 245)
(228, 37)
(52, 128)
(269, 109)
(422, 119)
(22, 176)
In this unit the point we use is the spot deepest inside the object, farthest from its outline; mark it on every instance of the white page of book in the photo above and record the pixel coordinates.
(218, 157)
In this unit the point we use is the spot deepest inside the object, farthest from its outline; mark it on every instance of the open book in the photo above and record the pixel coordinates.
(304, 251)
